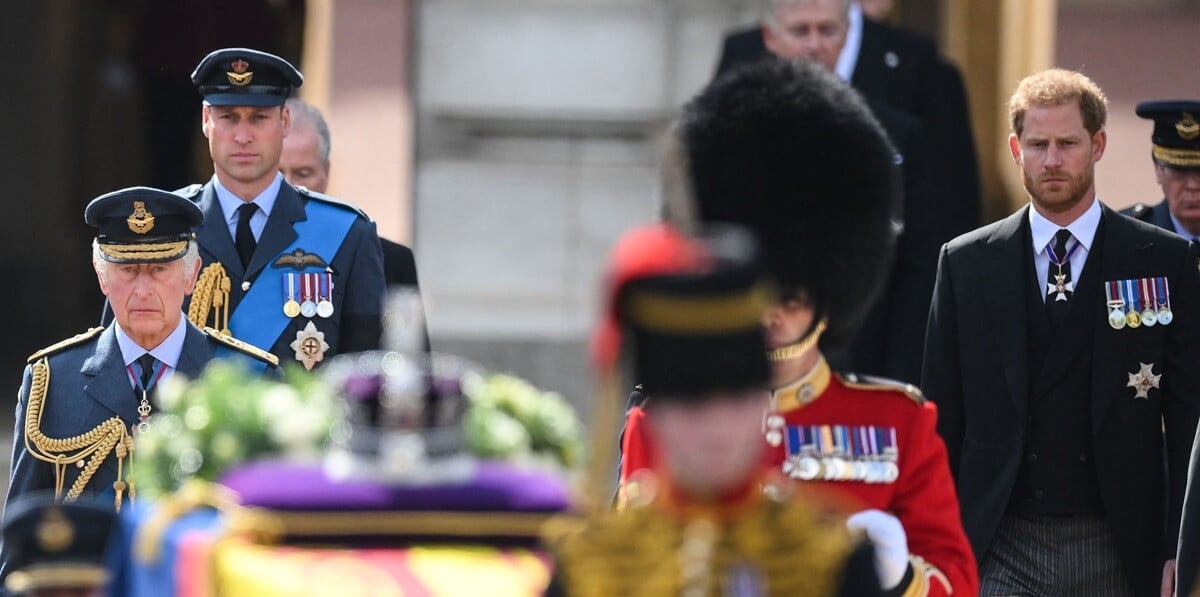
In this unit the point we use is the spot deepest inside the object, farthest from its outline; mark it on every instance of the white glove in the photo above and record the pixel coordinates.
(890, 541)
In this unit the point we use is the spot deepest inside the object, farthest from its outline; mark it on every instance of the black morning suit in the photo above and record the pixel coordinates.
(979, 370)
(400, 269)
(904, 70)
(1189, 536)
(889, 344)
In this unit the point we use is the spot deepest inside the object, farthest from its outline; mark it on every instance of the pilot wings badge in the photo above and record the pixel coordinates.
(299, 259)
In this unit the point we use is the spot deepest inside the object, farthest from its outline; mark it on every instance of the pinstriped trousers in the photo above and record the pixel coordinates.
(1037, 556)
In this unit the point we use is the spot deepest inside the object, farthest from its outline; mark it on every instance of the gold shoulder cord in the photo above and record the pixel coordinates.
(211, 293)
(91, 448)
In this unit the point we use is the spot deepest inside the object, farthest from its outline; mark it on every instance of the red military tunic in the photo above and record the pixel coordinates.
(875, 443)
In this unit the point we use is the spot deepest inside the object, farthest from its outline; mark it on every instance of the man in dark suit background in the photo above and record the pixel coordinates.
(904, 70)
(1175, 152)
(890, 341)
(1062, 341)
(304, 161)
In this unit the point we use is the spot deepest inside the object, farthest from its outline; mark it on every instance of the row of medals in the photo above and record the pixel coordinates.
(1118, 318)
(1122, 313)
(837, 466)
(315, 297)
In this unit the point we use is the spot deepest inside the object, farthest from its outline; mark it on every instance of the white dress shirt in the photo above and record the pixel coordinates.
(167, 352)
(1083, 232)
(848, 58)
(230, 204)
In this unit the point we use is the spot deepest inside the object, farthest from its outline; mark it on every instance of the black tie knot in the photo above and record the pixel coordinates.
(244, 239)
(1060, 244)
(146, 364)
(1059, 286)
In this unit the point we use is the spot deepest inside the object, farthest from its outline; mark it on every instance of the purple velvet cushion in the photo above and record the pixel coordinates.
(493, 487)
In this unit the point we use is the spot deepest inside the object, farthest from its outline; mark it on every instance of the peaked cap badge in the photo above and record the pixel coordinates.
(141, 220)
(1187, 128)
(240, 75)
(54, 531)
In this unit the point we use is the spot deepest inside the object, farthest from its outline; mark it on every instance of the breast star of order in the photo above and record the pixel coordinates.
(1143, 380)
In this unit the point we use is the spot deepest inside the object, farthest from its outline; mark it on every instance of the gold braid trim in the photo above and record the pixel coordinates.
(797, 349)
(793, 547)
(923, 573)
(92, 448)
(211, 293)
(1186, 158)
(74, 575)
(145, 251)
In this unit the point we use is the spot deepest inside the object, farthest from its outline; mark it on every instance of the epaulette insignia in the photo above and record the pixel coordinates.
(69, 342)
(249, 349)
(637, 397)
(189, 191)
(883, 384)
(305, 191)
(1142, 212)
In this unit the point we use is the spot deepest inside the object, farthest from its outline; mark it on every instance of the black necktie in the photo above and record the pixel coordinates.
(146, 364)
(245, 238)
(1059, 286)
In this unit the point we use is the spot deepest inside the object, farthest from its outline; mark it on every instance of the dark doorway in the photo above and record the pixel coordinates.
(99, 99)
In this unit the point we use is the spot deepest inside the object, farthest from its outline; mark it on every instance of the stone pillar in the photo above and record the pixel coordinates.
(356, 71)
(996, 43)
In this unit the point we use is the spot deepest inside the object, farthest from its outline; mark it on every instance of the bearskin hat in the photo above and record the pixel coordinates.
(792, 153)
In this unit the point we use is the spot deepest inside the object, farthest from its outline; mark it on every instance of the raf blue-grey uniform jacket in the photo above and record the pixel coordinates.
(358, 282)
(88, 384)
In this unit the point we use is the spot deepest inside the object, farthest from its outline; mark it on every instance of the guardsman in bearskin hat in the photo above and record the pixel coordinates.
(75, 429)
(686, 315)
(1175, 150)
(792, 153)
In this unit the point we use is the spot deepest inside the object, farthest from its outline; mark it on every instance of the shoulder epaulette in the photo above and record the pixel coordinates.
(249, 349)
(883, 384)
(637, 397)
(189, 191)
(1142, 211)
(305, 191)
(69, 342)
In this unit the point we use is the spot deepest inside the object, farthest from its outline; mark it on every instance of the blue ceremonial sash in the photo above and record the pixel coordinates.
(259, 318)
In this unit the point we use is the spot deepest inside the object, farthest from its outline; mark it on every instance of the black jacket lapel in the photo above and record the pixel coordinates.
(1108, 347)
(278, 233)
(997, 285)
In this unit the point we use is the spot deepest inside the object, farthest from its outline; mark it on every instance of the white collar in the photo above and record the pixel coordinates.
(230, 202)
(848, 58)
(167, 351)
(1083, 228)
